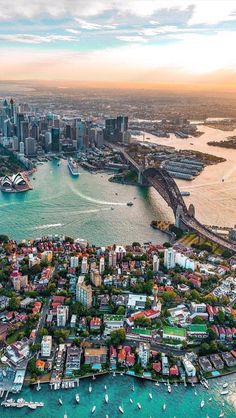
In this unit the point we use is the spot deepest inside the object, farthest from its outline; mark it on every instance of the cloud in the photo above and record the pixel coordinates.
(202, 11)
(136, 39)
(36, 39)
(93, 26)
(161, 30)
(74, 31)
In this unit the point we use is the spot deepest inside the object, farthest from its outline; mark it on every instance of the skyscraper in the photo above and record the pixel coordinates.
(55, 139)
(30, 147)
(19, 119)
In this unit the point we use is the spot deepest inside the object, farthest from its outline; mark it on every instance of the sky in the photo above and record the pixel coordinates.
(121, 43)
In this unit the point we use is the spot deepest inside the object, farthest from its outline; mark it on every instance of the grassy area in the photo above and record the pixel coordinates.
(13, 337)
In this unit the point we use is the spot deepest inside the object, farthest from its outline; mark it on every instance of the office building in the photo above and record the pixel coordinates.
(74, 262)
(55, 146)
(155, 263)
(144, 353)
(62, 315)
(95, 277)
(169, 258)
(84, 265)
(101, 265)
(84, 294)
(19, 119)
(30, 147)
(24, 130)
(46, 346)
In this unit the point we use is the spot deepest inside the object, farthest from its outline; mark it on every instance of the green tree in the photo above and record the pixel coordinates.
(221, 317)
(117, 337)
(14, 304)
(148, 303)
(120, 310)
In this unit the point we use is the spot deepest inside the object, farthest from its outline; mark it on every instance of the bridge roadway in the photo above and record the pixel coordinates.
(165, 185)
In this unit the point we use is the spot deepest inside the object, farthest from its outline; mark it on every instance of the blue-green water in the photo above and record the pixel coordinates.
(181, 403)
(81, 207)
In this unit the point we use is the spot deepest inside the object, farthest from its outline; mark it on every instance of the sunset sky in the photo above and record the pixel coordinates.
(120, 42)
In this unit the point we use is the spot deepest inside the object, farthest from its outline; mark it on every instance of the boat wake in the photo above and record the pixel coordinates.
(48, 226)
(91, 199)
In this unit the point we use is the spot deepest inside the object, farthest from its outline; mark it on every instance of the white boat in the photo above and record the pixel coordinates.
(195, 393)
(90, 388)
(107, 416)
(60, 401)
(114, 373)
(224, 392)
(202, 404)
(121, 409)
(77, 398)
(210, 399)
(106, 398)
(65, 416)
(93, 409)
(131, 400)
(222, 414)
(164, 407)
(94, 378)
(38, 386)
(132, 388)
(150, 395)
(105, 388)
(225, 385)
(139, 405)
(169, 388)
(73, 167)
(157, 384)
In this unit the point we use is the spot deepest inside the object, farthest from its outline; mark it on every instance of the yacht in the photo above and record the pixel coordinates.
(90, 388)
(210, 399)
(77, 398)
(139, 405)
(195, 393)
(121, 409)
(225, 385)
(157, 384)
(105, 388)
(65, 415)
(106, 398)
(202, 403)
(169, 387)
(60, 401)
(150, 395)
(222, 414)
(93, 409)
(131, 400)
(164, 407)
(224, 392)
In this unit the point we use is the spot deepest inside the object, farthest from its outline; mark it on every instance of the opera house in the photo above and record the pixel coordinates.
(16, 183)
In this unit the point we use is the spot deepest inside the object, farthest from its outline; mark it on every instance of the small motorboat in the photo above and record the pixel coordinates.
(105, 388)
(93, 409)
(157, 384)
(106, 398)
(131, 400)
(224, 392)
(222, 414)
(225, 385)
(60, 401)
(210, 399)
(139, 405)
(202, 403)
(164, 407)
(121, 409)
(77, 398)
(150, 395)
(90, 388)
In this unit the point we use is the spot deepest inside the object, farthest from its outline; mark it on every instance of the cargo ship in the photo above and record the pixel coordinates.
(73, 167)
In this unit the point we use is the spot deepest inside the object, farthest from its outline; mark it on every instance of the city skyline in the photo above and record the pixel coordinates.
(135, 43)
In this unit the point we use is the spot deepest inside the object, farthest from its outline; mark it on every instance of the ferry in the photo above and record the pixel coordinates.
(106, 398)
(73, 167)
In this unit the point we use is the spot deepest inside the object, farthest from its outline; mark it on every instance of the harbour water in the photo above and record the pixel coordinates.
(88, 206)
(180, 403)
